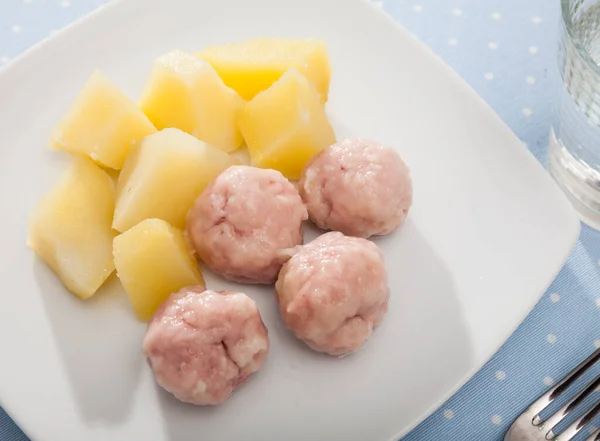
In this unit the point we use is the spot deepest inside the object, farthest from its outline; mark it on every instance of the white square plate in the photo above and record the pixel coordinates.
(487, 233)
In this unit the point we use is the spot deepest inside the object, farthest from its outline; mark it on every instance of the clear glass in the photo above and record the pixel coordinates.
(574, 151)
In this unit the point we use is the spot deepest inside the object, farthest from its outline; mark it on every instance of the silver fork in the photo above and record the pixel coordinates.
(531, 427)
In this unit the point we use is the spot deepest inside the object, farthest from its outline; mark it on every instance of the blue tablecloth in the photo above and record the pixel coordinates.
(505, 49)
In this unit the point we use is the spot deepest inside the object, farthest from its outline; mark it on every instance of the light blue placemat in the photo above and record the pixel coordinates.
(505, 49)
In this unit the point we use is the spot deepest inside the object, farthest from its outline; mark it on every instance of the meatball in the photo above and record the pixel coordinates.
(243, 222)
(203, 344)
(358, 187)
(333, 292)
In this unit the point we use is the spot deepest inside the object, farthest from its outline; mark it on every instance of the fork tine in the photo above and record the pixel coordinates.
(551, 422)
(595, 436)
(530, 426)
(574, 428)
(542, 402)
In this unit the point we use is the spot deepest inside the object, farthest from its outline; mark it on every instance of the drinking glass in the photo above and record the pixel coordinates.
(574, 150)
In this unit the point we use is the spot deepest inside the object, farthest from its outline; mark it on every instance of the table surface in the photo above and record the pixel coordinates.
(506, 50)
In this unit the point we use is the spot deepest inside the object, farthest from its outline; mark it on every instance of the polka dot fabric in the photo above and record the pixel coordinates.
(506, 50)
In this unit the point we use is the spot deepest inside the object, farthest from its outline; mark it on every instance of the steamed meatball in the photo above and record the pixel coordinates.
(243, 222)
(203, 344)
(333, 292)
(358, 187)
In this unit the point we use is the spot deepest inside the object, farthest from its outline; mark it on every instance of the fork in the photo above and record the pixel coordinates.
(530, 426)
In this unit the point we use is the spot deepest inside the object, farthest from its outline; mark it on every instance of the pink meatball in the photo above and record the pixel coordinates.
(243, 222)
(203, 344)
(333, 292)
(358, 187)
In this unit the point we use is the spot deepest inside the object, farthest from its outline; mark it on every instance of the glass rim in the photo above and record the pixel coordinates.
(567, 20)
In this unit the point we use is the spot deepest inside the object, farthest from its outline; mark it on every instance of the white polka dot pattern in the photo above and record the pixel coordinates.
(505, 49)
(548, 381)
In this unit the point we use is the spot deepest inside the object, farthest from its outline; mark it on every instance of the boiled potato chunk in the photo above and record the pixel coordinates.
(185, 92)
(254, 65)
(102, 123)
(153, 260)
(286, 125)
(162, 177)
(70, 230)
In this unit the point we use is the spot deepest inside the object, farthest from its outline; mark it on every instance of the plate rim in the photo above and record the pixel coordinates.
(574, 222)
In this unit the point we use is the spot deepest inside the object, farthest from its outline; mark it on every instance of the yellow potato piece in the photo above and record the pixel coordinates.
(286, 125)
(185, 92)
(252, 66)
(70, 229)
(102, 123)
(162, 177)
(153, 260)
